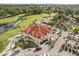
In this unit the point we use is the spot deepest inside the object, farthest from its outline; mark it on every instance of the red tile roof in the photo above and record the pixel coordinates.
(37, 30)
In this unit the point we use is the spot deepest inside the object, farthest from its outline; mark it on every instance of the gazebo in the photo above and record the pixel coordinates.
(38, 32)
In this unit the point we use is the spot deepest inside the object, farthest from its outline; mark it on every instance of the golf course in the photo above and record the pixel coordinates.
(8, 34)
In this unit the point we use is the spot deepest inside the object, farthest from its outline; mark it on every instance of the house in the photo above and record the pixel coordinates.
(38, 32)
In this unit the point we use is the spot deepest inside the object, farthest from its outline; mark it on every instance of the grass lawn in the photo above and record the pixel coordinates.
(5, 36)
(10, 19)
(32, 18)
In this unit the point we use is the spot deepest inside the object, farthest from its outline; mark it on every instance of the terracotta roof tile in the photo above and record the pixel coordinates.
(37, 30)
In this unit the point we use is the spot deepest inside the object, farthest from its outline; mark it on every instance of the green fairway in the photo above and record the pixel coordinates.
(5, 36)
(10, 19)
(30, 19)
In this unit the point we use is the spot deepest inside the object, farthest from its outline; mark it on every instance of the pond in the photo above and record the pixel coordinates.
(9, 26)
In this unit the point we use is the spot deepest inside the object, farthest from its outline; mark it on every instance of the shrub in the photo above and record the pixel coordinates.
(1, 46)
(76, 30)
(20, 44)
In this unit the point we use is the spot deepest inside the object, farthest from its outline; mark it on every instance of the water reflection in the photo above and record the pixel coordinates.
(9, 26)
